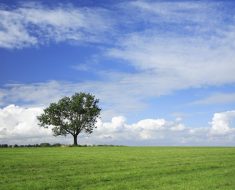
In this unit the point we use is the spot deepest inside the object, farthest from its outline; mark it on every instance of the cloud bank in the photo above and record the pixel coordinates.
(18, 125)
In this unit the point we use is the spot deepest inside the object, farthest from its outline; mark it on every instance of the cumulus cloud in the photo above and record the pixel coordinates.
(19, 125)
(35, 24)
(221, 123)
(164, 132)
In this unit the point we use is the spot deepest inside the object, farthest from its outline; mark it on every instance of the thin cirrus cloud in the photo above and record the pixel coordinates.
(176, 11)
(216, 98)
(178, 55)
(34, 24)
(176, 63)
(18, 125)
(169, 57)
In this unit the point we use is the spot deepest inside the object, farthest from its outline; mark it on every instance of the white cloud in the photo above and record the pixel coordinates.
(19, 125)
(186, 45)
(16, 121)
(12, 31)
(175, 11)
(216, 98)
(34, 94)
(178, 127)
(161, 132)
(115, 98)
(167, 63)
(81, 67)
(35, 24)
(221, 123)
(2, 94)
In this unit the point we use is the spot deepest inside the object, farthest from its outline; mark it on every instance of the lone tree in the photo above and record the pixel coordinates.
(71, 115)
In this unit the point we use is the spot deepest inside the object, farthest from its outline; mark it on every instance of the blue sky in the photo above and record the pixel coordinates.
(144, 60)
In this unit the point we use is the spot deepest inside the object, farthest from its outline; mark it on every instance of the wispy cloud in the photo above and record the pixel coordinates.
(216, 98)
(176, 11)
(81, 67)
(115, 97)
(35, 24)
(172, 57)
(168, 64)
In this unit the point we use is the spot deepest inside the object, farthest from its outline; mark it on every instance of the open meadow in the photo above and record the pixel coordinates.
(119, 168)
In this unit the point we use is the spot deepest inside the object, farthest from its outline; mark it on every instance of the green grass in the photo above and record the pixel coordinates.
(120, 168)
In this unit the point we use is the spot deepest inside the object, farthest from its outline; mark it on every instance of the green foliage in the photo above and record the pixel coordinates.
(71, 115)
(101, 168)
(45, 145)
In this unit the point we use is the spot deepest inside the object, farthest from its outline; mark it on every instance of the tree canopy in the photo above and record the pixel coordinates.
(71, 115)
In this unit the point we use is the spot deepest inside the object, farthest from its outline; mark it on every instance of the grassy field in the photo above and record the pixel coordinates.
(117, 168)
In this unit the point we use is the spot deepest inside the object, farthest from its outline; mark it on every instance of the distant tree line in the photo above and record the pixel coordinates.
(51, 145)
(30, 145)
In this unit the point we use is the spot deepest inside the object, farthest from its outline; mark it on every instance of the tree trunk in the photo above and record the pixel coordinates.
(75, 140)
